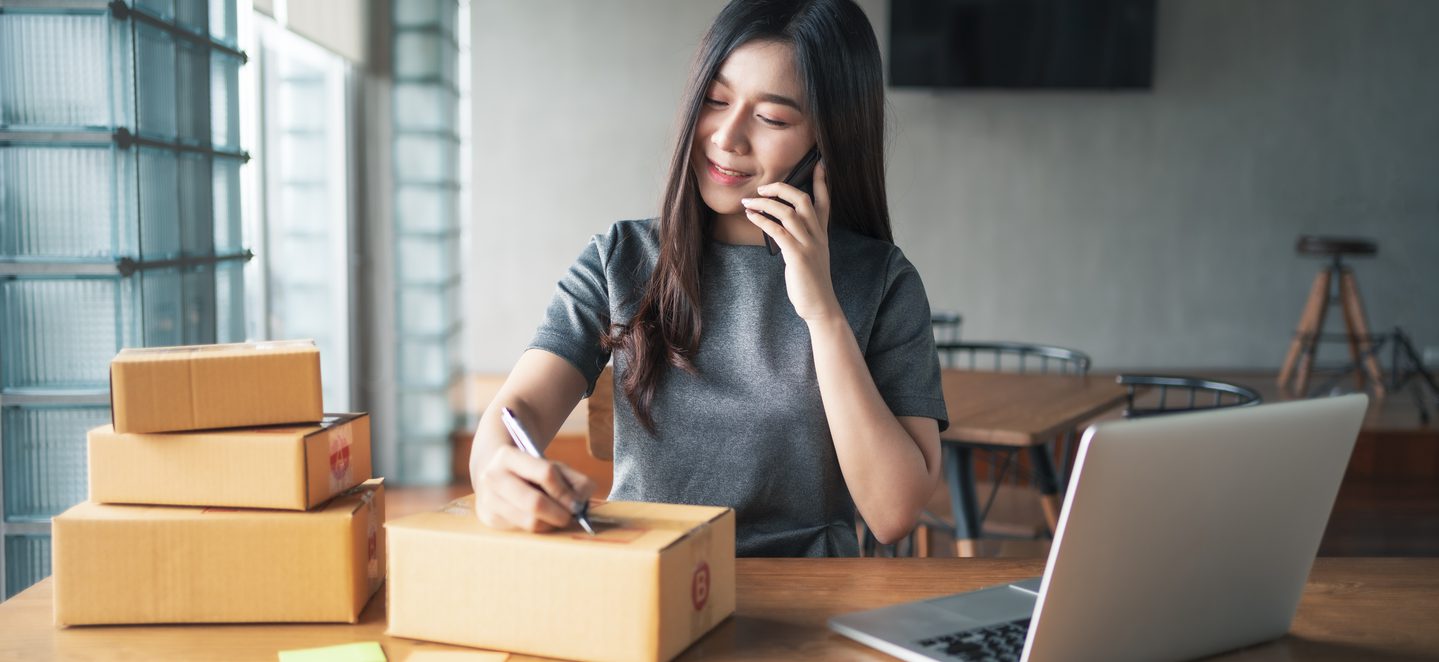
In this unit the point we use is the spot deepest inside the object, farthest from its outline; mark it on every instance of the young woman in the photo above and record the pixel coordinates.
(797, 388)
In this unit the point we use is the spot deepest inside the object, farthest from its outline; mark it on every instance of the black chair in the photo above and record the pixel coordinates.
(1194, 393)
(946, 327)
(1013, 357)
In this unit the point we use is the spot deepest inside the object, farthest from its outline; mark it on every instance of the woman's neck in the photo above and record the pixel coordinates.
(736, 229)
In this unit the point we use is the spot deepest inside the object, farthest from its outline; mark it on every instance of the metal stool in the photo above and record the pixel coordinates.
(1336, 275)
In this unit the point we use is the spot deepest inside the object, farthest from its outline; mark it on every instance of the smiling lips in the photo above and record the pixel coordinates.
(725, 175)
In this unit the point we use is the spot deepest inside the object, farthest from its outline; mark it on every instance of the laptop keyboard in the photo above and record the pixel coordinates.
(1003, 642)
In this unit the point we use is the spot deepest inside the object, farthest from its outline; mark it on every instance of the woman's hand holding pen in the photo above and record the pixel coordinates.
(517, 491)
(802, 234)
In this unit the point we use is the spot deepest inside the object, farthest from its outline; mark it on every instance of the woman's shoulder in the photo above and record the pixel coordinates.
(640, 227)
(849, 239)
(628, 240)
(864, 254)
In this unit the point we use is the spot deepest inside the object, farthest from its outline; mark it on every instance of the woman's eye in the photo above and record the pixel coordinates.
(773, 122)
(711, 101)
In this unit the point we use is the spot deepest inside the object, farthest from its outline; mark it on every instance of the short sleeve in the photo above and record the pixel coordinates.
(578, 314)
(901, 354)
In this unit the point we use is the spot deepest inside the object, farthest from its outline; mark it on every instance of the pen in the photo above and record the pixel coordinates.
(522, 439)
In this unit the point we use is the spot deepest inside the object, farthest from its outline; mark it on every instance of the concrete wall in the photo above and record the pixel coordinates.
(339, 25)
(1151, 229)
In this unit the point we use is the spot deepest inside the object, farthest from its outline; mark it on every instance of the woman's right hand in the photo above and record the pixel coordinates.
(515, 491)
(512, 489)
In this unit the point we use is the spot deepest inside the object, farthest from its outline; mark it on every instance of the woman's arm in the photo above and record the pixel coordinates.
(512, 489)
(890, 464)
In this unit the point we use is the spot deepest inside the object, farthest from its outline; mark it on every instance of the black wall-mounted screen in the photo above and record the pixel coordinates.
(1065, 44)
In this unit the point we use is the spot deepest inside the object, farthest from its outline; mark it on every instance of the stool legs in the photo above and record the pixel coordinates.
(1359, 340)
(1306, 337)
(1305, 343)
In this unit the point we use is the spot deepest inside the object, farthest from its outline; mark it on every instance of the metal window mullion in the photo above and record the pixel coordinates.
(430, 81)
(452, 233)
(430, 184)
(120, 137)
(73, 397)
(441, 134)
(431, 29)
(27, 528)
(123, 267)
(121, 11)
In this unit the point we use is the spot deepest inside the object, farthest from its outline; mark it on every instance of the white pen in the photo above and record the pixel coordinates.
(522, 439)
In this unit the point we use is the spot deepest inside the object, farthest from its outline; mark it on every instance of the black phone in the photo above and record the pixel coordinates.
(802, 178)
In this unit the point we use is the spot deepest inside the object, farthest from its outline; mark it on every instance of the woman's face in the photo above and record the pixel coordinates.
(752, 127)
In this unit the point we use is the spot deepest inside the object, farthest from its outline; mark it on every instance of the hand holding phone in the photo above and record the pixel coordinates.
(802, 178)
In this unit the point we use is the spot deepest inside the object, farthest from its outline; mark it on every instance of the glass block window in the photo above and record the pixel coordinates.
(120, 226)
(27, 560)
(426, 148)
(305, 251)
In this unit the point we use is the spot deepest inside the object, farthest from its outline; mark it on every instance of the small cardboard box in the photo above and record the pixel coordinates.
(200, 387)
(166, 564)
(293, 468)
(657, 578)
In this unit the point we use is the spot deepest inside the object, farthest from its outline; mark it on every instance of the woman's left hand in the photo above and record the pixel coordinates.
(803, 238)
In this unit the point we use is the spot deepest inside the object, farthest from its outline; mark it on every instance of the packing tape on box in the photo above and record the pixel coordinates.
(700, 579)
(374, 569)
(464, 506)
(339, 458)
(267, 346)
(607, 529)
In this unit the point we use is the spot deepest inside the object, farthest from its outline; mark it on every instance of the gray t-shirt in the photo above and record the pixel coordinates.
(749, 430)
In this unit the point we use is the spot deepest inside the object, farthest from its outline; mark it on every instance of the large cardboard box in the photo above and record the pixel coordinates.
(166, 564)
(657, 578)
(293, 468)
(168, 389)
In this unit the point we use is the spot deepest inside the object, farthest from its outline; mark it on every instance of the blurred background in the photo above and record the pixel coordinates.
(405, 181)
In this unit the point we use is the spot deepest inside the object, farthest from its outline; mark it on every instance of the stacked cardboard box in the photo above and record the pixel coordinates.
(220, 493)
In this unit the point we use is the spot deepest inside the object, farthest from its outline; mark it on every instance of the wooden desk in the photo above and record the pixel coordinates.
(1352, 609)
(1019, 411)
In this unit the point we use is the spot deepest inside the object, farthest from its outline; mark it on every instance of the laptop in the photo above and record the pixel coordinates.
(1181, 536)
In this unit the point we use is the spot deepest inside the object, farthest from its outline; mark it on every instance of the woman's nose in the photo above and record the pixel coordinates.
(729, 133)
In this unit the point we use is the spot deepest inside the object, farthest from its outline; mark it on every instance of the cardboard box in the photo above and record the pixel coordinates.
(294, 468)
(159, 564)
(657, 578)
(170, 389)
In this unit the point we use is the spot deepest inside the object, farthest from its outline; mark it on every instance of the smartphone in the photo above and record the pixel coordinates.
(802, 178)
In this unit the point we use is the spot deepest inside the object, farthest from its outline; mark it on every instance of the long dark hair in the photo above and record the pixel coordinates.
(837, 58)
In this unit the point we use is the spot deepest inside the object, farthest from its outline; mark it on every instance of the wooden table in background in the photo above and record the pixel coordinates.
(1015, 410)
(1012, 409)
(1352, 609)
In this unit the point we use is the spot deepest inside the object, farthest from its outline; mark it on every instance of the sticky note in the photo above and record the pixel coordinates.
(367, 651)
